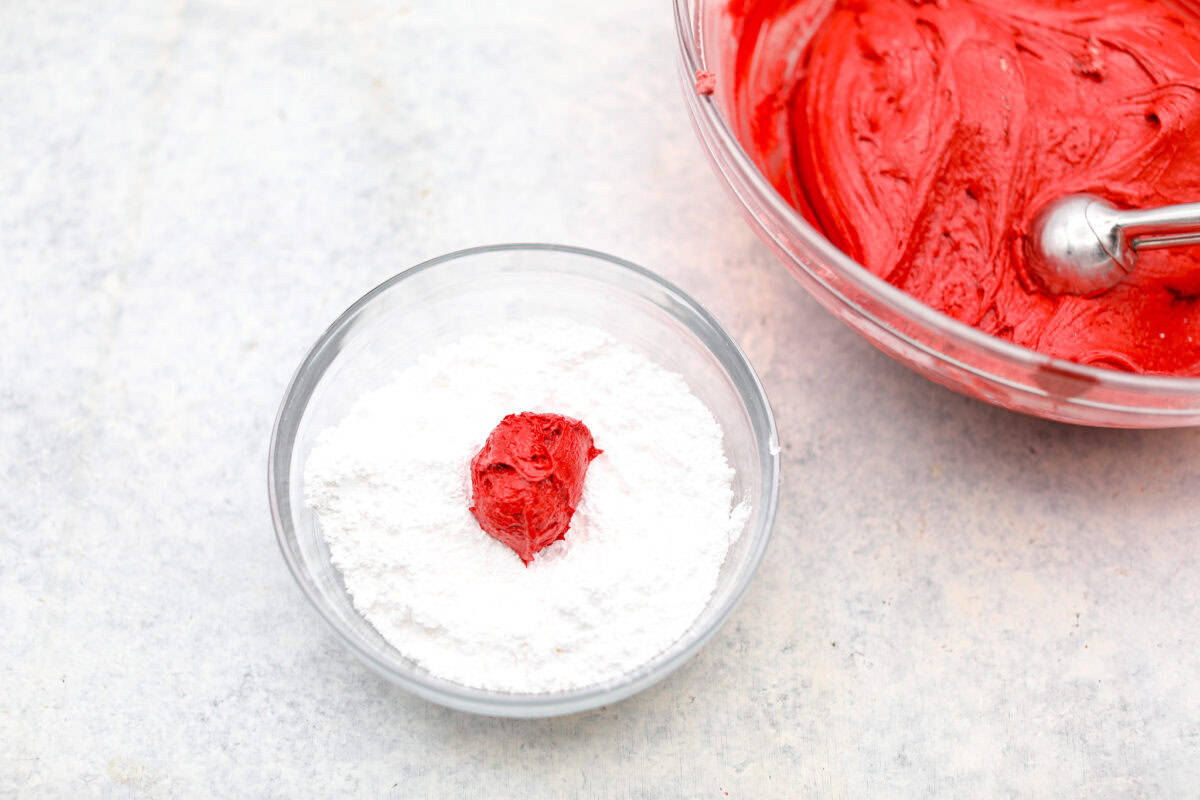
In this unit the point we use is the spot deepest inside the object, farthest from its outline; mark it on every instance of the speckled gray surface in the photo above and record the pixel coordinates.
(958, 602)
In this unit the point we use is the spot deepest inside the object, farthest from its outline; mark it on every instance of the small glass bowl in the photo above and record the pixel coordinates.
(933, 344)
(436, 302)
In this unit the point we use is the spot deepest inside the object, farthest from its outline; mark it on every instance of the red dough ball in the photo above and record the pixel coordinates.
(528, 479)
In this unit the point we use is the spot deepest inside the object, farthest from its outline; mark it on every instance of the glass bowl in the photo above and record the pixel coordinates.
(938, 347)
(436, 302)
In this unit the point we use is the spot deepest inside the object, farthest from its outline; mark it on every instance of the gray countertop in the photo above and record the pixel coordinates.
(958, 601)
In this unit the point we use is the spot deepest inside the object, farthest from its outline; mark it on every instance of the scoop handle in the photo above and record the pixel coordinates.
(1166, 226)
(1161, 242)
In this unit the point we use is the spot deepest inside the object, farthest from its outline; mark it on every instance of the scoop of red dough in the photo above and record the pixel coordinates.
(528, 478)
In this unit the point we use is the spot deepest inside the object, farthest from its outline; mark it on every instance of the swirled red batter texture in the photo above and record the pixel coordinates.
(528, 479)
(922, 137)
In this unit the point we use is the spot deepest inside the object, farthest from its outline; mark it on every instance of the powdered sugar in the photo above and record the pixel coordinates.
(391, 489)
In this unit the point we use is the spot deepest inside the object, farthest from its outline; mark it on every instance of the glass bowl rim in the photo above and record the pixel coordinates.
(481, 701)
(877, 288)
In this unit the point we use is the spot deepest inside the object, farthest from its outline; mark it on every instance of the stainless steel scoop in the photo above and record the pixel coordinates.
(1080, 244)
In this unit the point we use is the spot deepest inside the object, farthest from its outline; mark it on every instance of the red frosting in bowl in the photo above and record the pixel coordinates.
(922, 137)
(528, 479)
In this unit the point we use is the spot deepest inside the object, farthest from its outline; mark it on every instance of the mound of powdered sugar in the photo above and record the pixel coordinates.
(390, 486)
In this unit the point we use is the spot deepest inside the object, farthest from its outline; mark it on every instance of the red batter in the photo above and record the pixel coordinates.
(528, 479)
(921, 137)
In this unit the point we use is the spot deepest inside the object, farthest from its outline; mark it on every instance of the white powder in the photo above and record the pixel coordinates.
(390, 485)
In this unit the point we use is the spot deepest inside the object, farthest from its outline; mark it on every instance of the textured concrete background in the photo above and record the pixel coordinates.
(958, 601)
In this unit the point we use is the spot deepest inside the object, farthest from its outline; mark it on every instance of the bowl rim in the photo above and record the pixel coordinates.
(871, 284)
(507, 704)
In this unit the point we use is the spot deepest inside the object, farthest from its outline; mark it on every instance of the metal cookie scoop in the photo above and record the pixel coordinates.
(1080, 244)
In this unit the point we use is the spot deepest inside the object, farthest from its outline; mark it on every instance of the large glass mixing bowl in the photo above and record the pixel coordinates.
(940, 348)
